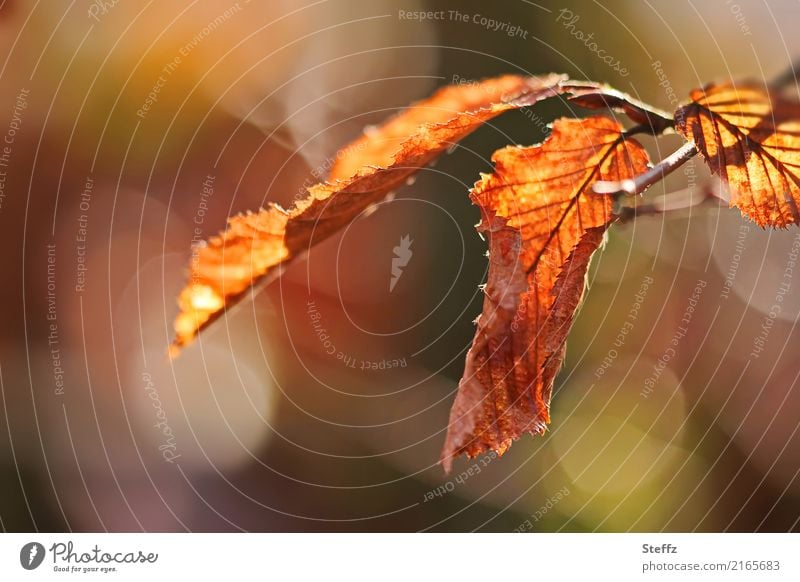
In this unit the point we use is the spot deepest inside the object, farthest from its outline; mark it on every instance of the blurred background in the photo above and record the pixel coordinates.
(130, 129)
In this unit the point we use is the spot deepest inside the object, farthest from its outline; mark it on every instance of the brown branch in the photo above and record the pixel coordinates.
(596, 96)
(655, 174)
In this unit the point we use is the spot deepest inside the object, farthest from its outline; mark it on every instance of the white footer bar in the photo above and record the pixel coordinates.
(401, 557)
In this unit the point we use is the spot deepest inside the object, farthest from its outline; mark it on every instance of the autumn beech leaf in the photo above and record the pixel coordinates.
(750, 138)
(255, 245)
(543, 222)
(452, 106)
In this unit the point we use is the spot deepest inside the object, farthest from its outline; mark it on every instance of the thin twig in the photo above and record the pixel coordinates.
(666, 204)
(788, 78)
(640, 183)
(596, 96)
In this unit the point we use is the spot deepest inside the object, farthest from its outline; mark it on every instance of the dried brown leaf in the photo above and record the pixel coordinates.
(255, 245)
(543, 223)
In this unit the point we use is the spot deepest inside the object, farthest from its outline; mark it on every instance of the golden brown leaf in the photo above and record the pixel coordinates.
(751, 139)
(378, 146)
(543, 223)
(255, 245)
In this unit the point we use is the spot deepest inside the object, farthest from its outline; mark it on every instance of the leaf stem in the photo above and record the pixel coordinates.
(596, 96)
(641, 182)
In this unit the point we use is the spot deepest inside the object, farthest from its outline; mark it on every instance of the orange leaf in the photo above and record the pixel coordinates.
(751, 139)
(543, 223)
(255, 245)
